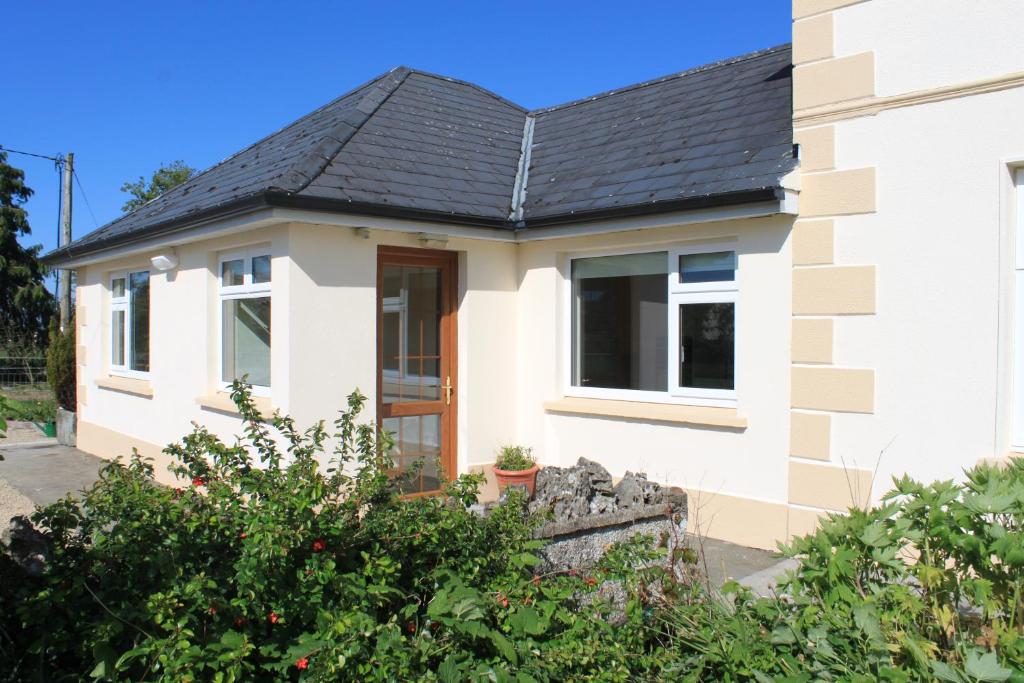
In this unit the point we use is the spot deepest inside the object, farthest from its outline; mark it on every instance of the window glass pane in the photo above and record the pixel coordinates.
(417, 450)
(620, 322)
(232, 273)
(117, 288)
(138, 286)
(719, 266)
(260, 269)
(707, 338)
(411, 334)
(246, 340)
(117, 338)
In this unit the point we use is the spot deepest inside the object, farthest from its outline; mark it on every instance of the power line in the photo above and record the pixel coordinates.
(57, 159)
(81, 189)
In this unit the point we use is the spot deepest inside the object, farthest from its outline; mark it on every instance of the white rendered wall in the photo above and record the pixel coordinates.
(941, 241)
(751, 463)
(923, 44)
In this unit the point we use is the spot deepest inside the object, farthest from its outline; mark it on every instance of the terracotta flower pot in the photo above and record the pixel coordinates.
(527, 478)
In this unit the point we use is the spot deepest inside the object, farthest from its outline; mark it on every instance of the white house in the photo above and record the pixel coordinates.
(776, 280)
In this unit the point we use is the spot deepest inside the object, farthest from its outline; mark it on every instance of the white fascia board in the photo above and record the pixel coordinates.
(274, 216)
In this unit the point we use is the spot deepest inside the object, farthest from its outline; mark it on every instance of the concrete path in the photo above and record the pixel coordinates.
(46, 472)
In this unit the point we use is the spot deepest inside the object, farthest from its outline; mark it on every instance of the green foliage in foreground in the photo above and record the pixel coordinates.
(264, 568)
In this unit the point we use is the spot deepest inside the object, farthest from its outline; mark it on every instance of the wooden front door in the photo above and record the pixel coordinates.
(416, 379)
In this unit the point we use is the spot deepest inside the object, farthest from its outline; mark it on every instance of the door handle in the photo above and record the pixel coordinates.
(447, 390)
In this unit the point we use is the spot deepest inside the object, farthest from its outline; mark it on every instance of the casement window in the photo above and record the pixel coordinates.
(654, 326)
(1017, 419)
(245, 285)
(129, 323)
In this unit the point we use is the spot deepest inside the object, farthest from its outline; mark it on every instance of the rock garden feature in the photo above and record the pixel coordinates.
(587, 513)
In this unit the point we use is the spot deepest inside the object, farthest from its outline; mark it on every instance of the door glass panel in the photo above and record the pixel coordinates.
(417, 450)
(411, 334)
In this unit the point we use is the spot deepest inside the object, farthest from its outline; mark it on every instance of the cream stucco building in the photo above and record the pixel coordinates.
(776, 281)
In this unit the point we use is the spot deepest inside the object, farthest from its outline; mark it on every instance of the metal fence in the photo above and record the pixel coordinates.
(18, 371)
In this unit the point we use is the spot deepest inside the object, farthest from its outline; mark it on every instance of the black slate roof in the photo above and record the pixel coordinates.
(419, 145)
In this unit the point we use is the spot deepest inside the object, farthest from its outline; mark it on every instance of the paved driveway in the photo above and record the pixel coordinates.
(46, 473)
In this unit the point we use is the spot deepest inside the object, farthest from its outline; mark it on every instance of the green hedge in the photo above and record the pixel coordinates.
(264, 567)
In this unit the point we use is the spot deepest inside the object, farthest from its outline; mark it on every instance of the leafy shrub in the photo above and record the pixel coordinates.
(515, 458)
(60, 364)
(267, 568)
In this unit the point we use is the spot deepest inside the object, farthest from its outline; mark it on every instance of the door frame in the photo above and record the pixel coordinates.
(448, 262)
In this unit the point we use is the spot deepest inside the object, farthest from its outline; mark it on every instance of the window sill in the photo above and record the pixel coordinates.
(650, 412)
(221, 402)
(126, 385)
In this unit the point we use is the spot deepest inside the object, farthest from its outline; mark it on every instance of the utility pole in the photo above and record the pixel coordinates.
(64, 276)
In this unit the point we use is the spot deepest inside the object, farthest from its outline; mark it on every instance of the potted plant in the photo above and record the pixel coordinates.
(516, 466)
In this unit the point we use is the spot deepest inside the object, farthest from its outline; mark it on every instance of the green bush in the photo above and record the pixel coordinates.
(267, 567)
(60, 365)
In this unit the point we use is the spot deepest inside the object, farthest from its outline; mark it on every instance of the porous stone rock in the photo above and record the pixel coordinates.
(586, 513)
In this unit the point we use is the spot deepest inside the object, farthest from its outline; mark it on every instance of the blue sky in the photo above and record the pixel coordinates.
(129, 85)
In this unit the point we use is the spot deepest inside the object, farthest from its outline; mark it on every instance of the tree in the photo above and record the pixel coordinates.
(25, 304)
(164, 178)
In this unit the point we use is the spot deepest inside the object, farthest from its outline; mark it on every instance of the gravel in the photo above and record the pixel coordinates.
(12, 504)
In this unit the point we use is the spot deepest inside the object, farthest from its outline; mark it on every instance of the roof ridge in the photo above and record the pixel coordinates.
(655, 81)
(306, 169)
(489, 93)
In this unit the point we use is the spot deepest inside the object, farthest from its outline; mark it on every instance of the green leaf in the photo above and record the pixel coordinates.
(985, 667)
(448, 672)
(526, 620)
(944, 672)
(507, 650)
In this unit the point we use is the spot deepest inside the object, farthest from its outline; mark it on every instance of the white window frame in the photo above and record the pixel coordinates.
(124, 303)
(723, 291)
(704, 292)
(1017, 417)
(247, 290)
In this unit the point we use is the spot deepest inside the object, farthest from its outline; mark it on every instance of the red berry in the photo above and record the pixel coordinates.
(272, 617)
(536, 581)
(239, 621)
(319, 545)
(197, 481)
(301, 663)
(591, 581)
(572, 572)
(212, 610)
(243, 535)
(410, 627)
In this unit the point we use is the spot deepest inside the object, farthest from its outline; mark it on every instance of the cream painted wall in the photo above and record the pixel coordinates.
(323, 336)
(183, 353)
(940, 341)
(333, 350)
(922, 44)
(750, 463)
(941, 239)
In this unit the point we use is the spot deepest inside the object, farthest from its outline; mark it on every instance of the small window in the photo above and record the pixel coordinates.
(129, 322)
(245, 317)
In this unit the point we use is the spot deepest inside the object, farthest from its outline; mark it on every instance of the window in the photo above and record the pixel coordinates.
(655, 326)
(245, 278)
(129, 323)
(1017, 419)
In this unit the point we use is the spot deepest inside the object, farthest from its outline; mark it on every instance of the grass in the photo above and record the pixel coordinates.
(30, 406)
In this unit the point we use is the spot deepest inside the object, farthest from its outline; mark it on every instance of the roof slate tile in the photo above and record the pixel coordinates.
(417, 141)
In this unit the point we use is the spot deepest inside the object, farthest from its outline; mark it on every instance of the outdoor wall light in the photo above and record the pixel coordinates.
(165, 261)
